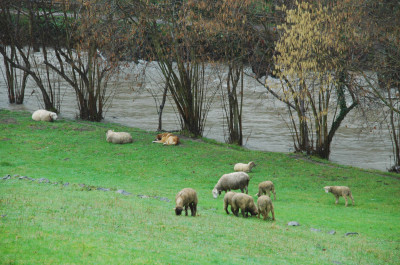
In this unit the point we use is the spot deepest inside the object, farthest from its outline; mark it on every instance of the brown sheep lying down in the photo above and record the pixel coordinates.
(338, 191)
(228, 200)
(245, 203)
(264, 205)
(266, 187)
(186, 198)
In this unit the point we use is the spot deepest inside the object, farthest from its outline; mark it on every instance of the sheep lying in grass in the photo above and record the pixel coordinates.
(167, 139)
(231, 181)
(264, 205)
(228, 200)
(266, 187)
(186, 198)
(244, 167)
(44, 115)
(118, 137)
(338, 191)
(245, 203)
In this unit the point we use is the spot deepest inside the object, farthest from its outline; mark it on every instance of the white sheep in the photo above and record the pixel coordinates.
(338, 191)
(244, 167)
(228, 200)
(231, 181)
(266, 187)
(186, 198)
(118, 137)
(44, 115)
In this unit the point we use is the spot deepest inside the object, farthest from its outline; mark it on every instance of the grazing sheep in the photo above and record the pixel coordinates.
(338, 191)
(167, 139)
(118, 137)
(245, 203)
(44, 115)
(184, 198)
(264, 205)
(244, 167)
(266, 187)
(231, 181)
(228, 200)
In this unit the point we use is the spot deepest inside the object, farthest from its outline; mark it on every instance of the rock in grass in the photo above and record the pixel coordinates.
(41, 180)
(103, 189)
(315, 230)
(22, 177)
(66, 184)
(6, 177)
(123, 192)
(293, 223)
(332, 232)
(351, 234)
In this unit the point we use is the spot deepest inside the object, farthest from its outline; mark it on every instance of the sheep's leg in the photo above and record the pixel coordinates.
(247, 191)
(258, 215)
(244, 213)
(337, 199)
(241, 189)
(194, 209)
(345, 198)
(351, 197)
(186, 210)
(265, 215)
(226, 208)
(273, 214)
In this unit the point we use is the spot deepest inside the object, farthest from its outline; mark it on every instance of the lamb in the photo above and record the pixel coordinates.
(266, 187)
(244, 167)
(228, 200)
(118, 137)
(245, 203)
(184, 198)
(338, 191)
(231, 181)
(44, 115)
(264, 205)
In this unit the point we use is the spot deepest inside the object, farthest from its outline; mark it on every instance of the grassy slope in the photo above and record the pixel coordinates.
(47, 223)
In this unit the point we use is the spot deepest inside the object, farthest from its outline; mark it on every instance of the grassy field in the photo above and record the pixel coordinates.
(75, 223)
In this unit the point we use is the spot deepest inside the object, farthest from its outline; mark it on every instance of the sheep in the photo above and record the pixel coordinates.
(231, 181)
(264, 205)
(167, 139)
(184, 198)
(245, 203)
(228, 200)
(118, 137)
(266, 187)
(44, 115)
(244, 167)
(338, 191)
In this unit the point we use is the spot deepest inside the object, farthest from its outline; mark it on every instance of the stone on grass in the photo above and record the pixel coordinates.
(293, 223)
(332, 232)
(351, 234)
(6, 177)
(123, 192)
(315, 230)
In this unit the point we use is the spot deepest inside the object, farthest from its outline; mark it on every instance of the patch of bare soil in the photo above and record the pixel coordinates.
(8, 121)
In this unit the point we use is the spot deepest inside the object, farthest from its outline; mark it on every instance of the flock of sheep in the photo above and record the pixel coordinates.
(238, 180)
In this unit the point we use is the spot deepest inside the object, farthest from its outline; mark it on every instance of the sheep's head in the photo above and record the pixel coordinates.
(178, 210)
(252, 164)
(52, 116)
(216, 193)
(327, 189)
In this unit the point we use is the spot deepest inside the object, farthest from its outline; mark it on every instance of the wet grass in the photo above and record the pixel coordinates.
(48, 223)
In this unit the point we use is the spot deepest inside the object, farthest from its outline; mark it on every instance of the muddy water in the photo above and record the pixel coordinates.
(263, 118)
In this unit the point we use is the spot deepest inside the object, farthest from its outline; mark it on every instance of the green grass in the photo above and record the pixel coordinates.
(48, 223)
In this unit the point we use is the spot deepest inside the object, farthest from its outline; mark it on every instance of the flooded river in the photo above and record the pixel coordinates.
(264, 126)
